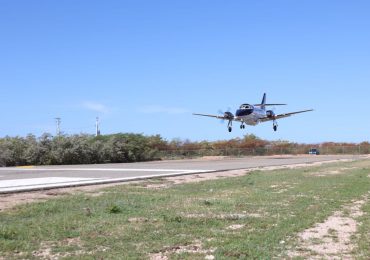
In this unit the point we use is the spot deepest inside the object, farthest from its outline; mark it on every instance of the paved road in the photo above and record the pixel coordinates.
(15, 179)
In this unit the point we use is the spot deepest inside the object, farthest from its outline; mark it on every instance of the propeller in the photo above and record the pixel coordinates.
(221, 113)
(226, 114)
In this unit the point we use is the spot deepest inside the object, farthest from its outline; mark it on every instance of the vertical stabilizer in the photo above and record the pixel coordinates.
(263, 101)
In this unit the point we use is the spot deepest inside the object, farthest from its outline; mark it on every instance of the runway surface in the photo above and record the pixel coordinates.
(18, 179)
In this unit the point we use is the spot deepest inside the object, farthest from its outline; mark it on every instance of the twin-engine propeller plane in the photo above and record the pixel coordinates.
(253, 114)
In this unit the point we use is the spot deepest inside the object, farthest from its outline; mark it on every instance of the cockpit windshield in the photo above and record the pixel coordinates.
(246, 106)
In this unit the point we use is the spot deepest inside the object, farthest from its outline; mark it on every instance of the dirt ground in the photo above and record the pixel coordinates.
(332, 238)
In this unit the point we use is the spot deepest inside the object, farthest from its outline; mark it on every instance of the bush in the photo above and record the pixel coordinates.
(129, 147)
(78, 149)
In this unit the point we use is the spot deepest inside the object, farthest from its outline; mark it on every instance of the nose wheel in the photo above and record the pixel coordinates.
(275, 126)
(242, 126)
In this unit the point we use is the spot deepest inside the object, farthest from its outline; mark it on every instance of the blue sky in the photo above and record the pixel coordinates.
(145, 66)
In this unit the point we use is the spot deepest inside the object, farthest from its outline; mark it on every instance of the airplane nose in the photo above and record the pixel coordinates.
(243, 112)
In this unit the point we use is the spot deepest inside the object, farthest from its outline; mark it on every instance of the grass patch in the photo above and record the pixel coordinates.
(188, 221)
(362, 239)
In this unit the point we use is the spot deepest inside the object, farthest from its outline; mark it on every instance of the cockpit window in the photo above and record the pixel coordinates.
(245, 106)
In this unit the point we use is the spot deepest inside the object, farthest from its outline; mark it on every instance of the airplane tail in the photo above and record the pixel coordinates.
(263, 103)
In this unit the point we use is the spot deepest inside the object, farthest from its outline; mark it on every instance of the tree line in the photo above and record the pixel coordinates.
(78, 149)
(129, 147)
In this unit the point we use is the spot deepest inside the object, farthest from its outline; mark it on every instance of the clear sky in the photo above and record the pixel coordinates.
(145, 66)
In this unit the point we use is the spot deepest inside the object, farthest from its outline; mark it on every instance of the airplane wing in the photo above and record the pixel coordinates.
(264, 119)
(215, 116)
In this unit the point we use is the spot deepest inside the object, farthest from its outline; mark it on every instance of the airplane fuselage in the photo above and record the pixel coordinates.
(249, 114)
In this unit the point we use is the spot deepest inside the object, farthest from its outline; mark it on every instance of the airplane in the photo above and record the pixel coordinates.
(253, 115)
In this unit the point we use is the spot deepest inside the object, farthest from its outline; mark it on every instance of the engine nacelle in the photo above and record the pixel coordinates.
(228, 115)
(270, 114)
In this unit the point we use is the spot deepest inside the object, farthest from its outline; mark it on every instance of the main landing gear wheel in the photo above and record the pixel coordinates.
(229, 126)
(275, 126)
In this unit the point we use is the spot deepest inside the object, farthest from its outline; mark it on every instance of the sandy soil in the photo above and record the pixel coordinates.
(196, 248)
(8, 201)
(332, 238)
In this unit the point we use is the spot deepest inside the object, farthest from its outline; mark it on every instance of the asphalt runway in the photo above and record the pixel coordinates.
(18, 179)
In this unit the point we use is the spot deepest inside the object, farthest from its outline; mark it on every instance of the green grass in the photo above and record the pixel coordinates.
(132, 222)
(363, 237)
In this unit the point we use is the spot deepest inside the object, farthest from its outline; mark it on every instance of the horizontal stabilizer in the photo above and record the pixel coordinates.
(259, 105)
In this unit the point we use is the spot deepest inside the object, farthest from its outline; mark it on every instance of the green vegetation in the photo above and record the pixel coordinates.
(362, 251)
(254, 216)
(118, 148)
(78, 149)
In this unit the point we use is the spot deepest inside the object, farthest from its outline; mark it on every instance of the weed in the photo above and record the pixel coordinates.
(114, 209)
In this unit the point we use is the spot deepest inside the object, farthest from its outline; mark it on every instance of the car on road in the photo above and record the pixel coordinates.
(314, 151)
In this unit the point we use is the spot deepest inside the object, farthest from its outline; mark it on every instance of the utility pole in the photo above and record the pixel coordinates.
(97, 127)
(58, 120)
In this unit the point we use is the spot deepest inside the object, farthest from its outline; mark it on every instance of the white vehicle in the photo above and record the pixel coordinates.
(253, 114)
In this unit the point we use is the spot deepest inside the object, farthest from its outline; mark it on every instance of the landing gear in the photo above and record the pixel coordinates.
(242, 126)
(275, 126)
(230, 126)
